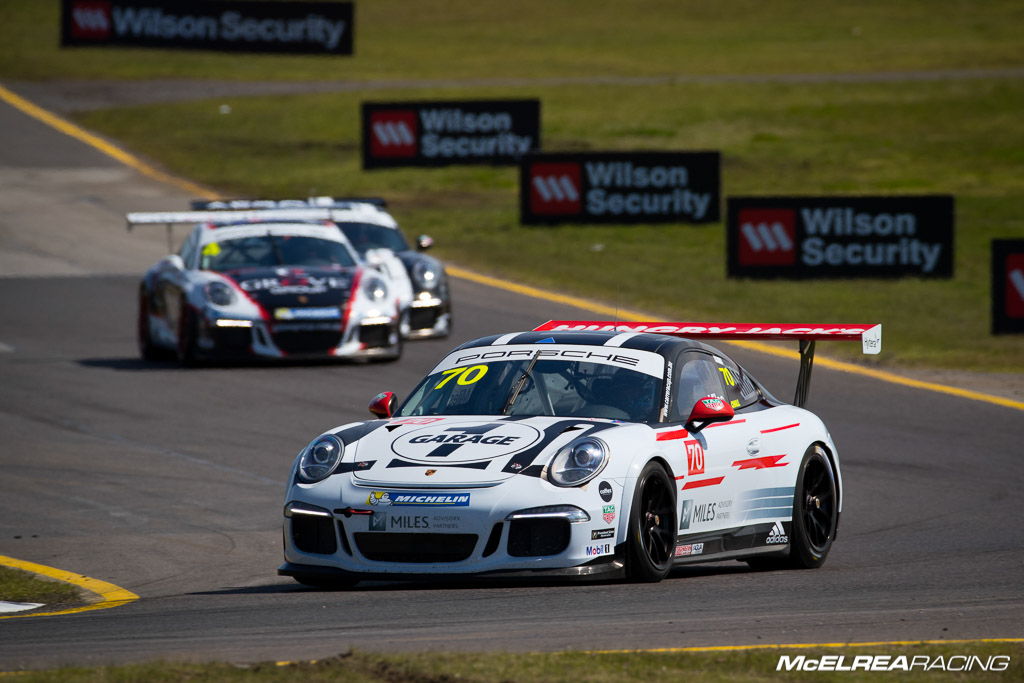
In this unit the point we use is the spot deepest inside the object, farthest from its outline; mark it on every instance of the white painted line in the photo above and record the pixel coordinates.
(18, 606)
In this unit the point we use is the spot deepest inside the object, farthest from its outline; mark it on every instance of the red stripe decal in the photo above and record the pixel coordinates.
(779, 429)
(761, 463)
(669, 436)
(681, 476)
(725, 424)
(713, 481)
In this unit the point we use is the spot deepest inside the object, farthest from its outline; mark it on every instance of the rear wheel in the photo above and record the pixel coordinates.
(652, 526)
(815, 511)
(815, 516)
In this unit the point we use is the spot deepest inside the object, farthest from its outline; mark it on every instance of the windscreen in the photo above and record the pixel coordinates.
(274, 250)
(366, 236)
(531, 383)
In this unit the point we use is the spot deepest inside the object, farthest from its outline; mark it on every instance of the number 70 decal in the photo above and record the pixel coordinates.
(467, 375)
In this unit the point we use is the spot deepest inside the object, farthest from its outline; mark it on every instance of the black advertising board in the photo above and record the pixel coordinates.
(620, 187)
(841, 237)
(1007, 286)
(444, 133)
(295, 27)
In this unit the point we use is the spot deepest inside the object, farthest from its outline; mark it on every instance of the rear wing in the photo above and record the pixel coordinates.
(172, 218)
(869, 335)
(308, 202)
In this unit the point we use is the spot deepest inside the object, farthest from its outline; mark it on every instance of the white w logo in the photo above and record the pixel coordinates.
(393, 133)
(765, 237)
(90, 19)
(556, 188)
(1017, 280)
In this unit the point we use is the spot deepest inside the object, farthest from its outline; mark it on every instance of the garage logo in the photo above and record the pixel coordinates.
(768, 237)
(465, 442)
(393, 133)
(90, 20)
(555, 189)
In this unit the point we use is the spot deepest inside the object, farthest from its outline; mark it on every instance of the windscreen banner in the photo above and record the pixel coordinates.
(1007, 286)
(496, 132)
(224, 25)
(840, 237)
(620, 187)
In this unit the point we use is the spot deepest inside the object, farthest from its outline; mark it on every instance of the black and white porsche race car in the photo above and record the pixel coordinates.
(419, 281)
(580, 449)
(257, 284)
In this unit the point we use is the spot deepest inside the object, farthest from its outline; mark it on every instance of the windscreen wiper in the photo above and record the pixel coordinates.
(520, 383)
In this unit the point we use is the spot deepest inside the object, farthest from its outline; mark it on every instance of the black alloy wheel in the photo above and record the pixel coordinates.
(652, 526)
(815, 510)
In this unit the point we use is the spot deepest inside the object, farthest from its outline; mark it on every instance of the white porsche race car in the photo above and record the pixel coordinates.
(581, 449)
(419, 281)
(261, 284)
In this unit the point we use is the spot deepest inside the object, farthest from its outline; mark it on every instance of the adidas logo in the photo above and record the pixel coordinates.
(777, 534)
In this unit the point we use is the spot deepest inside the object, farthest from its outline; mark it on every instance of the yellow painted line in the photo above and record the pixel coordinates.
(130, 160)
(109, 594)
(832, 364)
(68, 128)
(736, 648)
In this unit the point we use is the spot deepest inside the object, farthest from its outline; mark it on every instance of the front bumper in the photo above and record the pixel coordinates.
(492, 530)
(375, 337)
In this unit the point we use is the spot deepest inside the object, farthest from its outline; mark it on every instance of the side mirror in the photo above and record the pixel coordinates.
(174, 261)
(706, 411)
(424, 242)
(383, 405)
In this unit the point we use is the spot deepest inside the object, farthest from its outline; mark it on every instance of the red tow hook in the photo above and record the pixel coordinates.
(349, 511)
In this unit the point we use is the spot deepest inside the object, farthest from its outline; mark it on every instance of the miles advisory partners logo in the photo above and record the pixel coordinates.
(620, 187)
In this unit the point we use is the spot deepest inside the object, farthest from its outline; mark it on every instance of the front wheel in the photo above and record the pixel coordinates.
(652, 526)
(188, 354)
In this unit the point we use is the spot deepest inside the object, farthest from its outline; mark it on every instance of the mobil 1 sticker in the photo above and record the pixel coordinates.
(620, 187)
(808, 237)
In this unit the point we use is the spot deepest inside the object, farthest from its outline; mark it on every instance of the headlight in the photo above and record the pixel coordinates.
(220, 294)
(426, 275)
(375, 289)
(320, 458)
(578, 462)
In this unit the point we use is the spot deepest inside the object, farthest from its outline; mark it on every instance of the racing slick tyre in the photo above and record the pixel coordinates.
(652, 526)
(188, 355)
(147, 349)
(815, 515)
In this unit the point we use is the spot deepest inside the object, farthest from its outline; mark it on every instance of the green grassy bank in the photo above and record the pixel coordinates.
(951, 135)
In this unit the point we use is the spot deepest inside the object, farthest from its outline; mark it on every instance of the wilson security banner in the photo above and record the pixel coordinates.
(296, 27)
(821, 237)
(449, 132)
(620, 187)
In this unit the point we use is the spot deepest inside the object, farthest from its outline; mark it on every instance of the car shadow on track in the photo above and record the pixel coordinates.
(477, 583)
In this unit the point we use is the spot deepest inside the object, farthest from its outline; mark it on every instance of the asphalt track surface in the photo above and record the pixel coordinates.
(169, 482)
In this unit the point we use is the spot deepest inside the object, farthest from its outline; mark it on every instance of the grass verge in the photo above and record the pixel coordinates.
(20, 586)
(742, 665)
(775, 139)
